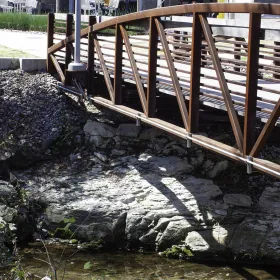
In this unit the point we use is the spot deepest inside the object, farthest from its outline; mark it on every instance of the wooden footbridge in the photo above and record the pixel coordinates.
(176, 61)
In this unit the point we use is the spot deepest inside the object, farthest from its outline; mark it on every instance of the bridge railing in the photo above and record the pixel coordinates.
(195, 62)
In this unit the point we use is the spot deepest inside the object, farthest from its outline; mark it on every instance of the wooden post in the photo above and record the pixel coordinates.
(152, 68)
(69, 48)
(118, 66)
(252, 82)
(195, 74)
(50, 66)
(90, 64)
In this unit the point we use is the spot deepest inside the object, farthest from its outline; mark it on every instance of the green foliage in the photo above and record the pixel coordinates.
(18, 273)
(2, 226)
(94, 245)
(87, 266)
(65, 232)
(177, 252)
(23, 21)
(71, 220)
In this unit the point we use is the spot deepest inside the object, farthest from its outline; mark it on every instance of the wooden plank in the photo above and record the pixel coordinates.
(50, 66)
(266, 130)
(173, 74)
(118, 66)
(69, 31)
(152, 69)
(90, 63)
(195, 74)
(104, 68)
(237, 56)
(58, 68)
(135, 71)
(222, 81)
(252, 83)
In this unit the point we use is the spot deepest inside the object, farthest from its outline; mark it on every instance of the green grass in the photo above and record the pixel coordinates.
(23, 21)
(8, 52)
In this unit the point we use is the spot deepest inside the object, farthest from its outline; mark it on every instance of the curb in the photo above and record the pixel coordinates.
(9, 63)
(25, 64)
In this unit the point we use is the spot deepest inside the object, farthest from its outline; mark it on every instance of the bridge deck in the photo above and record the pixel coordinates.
(210, 94)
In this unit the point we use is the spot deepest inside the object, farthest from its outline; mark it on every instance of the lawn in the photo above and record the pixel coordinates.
(23, 21)
(8, 52)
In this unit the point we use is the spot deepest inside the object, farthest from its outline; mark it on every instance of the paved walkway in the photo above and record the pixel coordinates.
(29, 42)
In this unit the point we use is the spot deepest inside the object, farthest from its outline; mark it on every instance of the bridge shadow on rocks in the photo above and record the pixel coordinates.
(193, 214)
(189, 207)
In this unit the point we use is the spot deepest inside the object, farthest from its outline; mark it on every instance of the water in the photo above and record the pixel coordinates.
(132, 266)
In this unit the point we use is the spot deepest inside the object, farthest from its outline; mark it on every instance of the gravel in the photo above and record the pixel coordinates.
(33, 115)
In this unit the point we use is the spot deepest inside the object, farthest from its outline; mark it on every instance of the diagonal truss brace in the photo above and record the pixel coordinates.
(222, 81)
(104, 68)
(266, 130)
(135, 71)
(173, 74)
(58, 68)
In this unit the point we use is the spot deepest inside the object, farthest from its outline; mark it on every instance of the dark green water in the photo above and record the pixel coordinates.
(130, 266)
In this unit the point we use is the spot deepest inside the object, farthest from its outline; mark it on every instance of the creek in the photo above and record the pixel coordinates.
(135, 266)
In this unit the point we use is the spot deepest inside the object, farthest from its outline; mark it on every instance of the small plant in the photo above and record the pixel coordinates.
(177, 252)
(88, 266)
(65, 232)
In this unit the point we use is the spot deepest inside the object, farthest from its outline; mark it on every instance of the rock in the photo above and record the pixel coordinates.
(237, 199)
(101, 156)
(150, 133)
(8, 193)
(142, 199)
(7, 213)
(174, 232)
(93, 128)
(248, 237)
(165, 165)
(217, 169)
(116, 152)
(214, 240)
(197, 161)
(269, 201)
(128, 130)
(99, 141)
(270, 246)
(74, 157)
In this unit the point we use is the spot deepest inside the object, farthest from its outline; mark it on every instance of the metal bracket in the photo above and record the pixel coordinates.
(189, 140)
(249, 165)
(138, 122)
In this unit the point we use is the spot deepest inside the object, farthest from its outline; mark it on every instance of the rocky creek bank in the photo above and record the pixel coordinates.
(130, 187)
